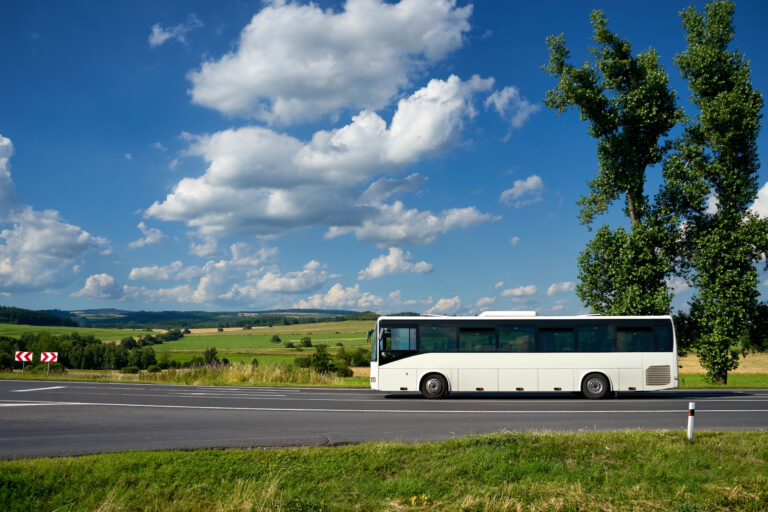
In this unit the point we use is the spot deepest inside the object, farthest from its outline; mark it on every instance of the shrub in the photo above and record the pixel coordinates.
(225, 361)
(290, 345)
(275, 339)
(255, 362)
(209, 356)
(301, 361)
(186, 331)
(153, 368)
(246, 327)
(321, 360)
(130, 369)
(361, 357)
(306, 341)
(220, 329)
(339, 344)
(342, 370)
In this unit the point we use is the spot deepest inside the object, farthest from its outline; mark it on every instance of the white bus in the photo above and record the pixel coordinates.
(509, 351)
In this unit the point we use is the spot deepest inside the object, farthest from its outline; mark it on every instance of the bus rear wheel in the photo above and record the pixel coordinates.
(594, 386)
(434, 386)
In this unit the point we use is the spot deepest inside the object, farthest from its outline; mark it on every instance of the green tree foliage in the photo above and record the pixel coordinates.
(209, 356)
(712, 181)
(306, 341)
(629, 106)
(275, 339)
(699, 224)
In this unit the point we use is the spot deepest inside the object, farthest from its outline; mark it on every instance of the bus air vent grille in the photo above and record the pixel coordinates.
(657, 375)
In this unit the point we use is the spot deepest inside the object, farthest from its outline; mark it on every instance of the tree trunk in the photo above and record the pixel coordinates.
(721, 377)
(632, 207)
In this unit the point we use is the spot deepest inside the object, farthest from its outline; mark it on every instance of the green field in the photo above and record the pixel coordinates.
(631, 470)
(15, 331)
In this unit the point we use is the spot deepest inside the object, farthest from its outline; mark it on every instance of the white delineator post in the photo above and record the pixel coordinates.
(691, 412)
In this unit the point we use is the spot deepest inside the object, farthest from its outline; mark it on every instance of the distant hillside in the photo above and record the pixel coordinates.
(11, 315)
(116, 318)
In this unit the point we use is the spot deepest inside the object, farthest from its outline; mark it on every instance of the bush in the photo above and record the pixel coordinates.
(130, 369)
(275, 339)
(220, 329)
(361, 357)
(302, 361)
(290, 345)
(342, 370)
(255, 362)
(339, 344)
(209, 356)
(153, 368)
(321, 361)
(306, 341)
(186, 331)
(246, 327)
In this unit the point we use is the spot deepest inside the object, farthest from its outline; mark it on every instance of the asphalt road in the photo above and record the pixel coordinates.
(48, 418)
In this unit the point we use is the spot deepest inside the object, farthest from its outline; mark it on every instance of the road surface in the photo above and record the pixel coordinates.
(50, 418)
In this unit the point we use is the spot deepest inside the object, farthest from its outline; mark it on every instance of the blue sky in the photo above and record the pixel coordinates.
(257, 155)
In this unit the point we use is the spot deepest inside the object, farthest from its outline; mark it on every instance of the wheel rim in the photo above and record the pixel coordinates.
(433, 386)
(595, 386)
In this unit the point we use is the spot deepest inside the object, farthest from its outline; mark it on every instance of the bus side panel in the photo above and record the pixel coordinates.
(394, 379)
(556, 379)
(630, 378)
(518, 379)
(478, 379)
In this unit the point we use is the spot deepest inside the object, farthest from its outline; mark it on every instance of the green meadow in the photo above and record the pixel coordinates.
(633, 471)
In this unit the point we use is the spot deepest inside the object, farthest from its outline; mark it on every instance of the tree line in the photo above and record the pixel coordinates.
(698, 227)
(85, 352)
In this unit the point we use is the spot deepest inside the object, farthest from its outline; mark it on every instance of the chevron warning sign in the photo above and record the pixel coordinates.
(49, 357)
(24, 356)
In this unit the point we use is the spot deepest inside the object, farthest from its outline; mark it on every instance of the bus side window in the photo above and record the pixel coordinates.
(517, 339)
(634, 339)
(595, 338)
(663, 338)
(437, 339)
(556, 340)
(400, 339)
(477, 340)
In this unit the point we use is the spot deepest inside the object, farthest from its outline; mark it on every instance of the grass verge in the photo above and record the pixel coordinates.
(506, 471)
(232, 375)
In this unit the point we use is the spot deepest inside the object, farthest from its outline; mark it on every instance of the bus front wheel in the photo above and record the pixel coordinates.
(594, 386)
(434, 386)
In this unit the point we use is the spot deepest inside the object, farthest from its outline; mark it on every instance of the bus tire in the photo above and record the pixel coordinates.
(434, 385)
(595, 386)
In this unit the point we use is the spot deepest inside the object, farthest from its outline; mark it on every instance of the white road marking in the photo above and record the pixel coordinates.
(398, 411)
(36, 389)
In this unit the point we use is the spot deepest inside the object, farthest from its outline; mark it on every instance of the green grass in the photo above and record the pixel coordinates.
(737, 381)
(506, 471)
(16, 331)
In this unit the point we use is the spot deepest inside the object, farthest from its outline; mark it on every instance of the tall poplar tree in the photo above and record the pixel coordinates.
(712, 180)
(629, 106)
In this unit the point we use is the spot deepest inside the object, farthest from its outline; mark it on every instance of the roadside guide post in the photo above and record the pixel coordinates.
(24, 357)
(691, 412)
(49, 357)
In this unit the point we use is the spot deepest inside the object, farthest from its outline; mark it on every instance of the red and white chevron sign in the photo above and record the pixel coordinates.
(49, 357)
(24, 356)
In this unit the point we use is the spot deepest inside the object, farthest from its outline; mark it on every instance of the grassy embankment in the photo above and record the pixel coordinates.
(505, 471)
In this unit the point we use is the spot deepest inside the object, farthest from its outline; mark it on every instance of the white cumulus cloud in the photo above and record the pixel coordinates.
(523, 192)
(265, 183)
(151, 236)
(395, 262)
(100, 286)
(760, 206)
(512, 106)
(445, 306)
(159, 34)
(563, 287)
(339, 297)
(299, 62)
(522, 291)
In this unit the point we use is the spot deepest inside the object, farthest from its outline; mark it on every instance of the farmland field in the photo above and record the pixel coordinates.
(16, 331)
